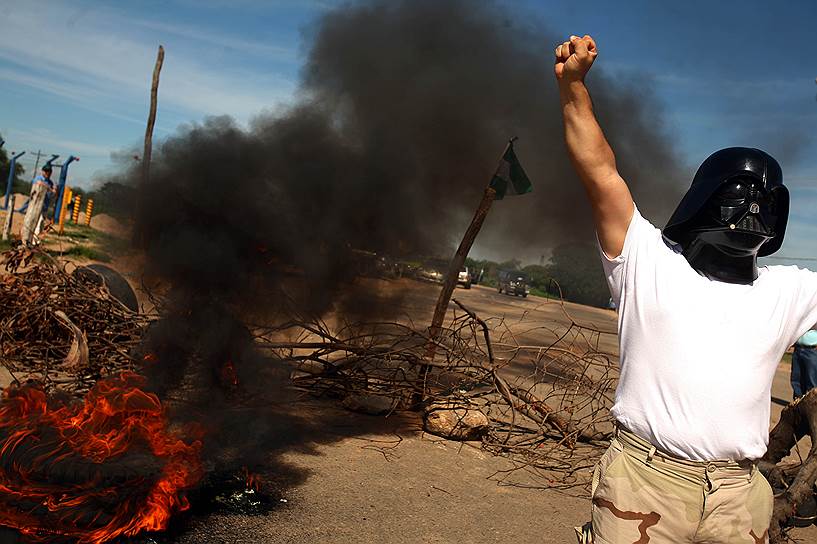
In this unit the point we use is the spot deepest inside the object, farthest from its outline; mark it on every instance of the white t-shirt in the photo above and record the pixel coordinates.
(697, 355)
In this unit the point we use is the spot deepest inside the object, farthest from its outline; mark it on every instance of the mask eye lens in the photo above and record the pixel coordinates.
(733, 191)
(729, 213)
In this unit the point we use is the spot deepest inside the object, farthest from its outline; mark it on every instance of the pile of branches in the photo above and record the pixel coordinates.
(60, 329)
(547, 407)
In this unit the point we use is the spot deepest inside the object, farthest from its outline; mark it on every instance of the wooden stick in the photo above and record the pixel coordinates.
(154, 92)
(456, 265)
(9, 217)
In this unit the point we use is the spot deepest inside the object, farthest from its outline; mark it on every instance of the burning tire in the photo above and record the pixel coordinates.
(117, 285)
(94, 470)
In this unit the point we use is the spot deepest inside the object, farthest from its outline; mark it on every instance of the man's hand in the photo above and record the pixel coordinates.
(574, 58)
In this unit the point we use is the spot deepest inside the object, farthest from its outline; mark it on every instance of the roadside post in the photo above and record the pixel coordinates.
(9, 218)
(89, 208)
(75, 213)
(10, 182)
(61, 186)
(66, 201)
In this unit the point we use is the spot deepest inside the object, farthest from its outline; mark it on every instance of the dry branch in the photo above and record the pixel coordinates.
(540, 400)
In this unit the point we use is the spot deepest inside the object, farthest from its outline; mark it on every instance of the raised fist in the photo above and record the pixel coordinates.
(574, 58)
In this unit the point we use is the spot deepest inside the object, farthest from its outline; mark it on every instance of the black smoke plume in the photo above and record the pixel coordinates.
(402, 113)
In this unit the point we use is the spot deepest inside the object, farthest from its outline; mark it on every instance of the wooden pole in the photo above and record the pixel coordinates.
(454, 268)
(457, 262)
(9, 217)
(154, 93)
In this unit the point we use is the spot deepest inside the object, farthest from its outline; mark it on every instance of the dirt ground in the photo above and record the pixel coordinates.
(394, 484)
(355, 478)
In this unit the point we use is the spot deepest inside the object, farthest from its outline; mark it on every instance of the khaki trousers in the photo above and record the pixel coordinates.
(643, 496)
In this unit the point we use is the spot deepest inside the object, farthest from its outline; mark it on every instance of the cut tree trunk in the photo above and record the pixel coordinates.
(798, 419)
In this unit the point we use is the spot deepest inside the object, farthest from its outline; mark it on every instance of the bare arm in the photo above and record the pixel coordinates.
(589, 151)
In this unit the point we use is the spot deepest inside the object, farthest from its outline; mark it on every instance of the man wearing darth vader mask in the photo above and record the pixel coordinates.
(701, 330)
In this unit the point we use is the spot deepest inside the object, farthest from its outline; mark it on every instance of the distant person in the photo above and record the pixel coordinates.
(701, 331)
(804, 364)
(41, 187)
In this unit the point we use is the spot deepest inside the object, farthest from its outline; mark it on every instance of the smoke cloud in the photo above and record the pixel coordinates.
(403, 111)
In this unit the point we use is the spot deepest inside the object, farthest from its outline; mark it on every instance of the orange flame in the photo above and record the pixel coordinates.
(117, 424)
(252, 480)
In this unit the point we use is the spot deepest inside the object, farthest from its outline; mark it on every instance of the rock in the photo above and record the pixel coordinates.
(366, 403)
(456, 423)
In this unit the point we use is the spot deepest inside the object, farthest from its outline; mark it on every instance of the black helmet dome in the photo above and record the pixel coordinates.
(721, 167)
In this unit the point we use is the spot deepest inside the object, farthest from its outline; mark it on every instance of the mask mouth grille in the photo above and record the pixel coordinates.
(753, 223)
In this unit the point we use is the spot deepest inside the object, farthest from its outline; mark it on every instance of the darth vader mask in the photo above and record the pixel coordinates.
(735, 211)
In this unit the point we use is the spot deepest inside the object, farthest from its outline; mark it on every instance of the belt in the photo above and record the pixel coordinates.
(649, 454)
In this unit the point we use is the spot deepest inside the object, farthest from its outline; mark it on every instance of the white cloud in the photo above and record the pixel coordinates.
(218, 39)
(46, 137)
(103, 57)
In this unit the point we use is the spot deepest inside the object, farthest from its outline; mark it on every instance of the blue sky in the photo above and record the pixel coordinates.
(74, 75)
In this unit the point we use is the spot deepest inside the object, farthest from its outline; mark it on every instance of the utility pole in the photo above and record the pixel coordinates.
(37, 162)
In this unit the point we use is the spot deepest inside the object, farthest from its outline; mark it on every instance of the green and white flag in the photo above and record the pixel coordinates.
(510, 177)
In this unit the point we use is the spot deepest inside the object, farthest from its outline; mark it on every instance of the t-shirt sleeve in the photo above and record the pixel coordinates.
(642, 245)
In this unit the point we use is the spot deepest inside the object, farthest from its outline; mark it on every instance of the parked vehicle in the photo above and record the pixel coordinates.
(430, 274)
(433, 270)
(513, 282)
(464, 278)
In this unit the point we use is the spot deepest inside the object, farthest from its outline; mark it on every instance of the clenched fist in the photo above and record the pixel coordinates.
(574, 58)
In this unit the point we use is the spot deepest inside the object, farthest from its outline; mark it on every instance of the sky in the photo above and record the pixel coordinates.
(74, 76)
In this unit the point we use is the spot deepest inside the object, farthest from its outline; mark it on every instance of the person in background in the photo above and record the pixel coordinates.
(41, 187)
(804, 363)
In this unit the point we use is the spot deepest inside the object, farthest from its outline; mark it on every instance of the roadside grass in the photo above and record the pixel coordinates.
(541, 293)
(106, 243)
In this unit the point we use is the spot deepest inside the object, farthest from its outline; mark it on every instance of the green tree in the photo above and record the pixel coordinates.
(113, 198)
(579, 274)
(540, 281)
(488, 269)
